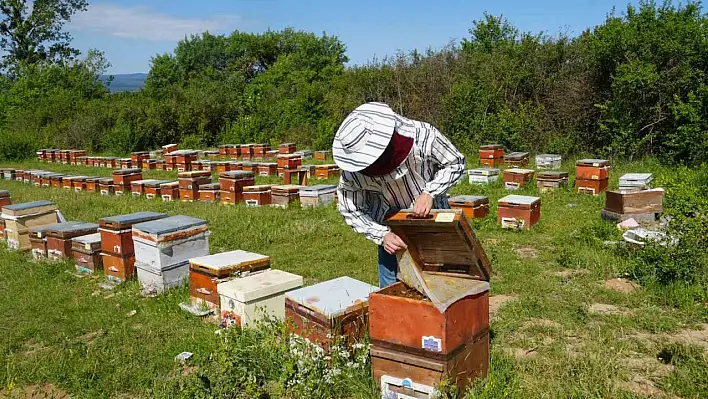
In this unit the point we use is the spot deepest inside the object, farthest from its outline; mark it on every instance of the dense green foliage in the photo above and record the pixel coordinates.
(635, 85)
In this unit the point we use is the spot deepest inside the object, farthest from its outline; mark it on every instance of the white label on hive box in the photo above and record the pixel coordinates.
(432, 344)
(596, 164)
(445, 217)
(87, 247)
(251, 202)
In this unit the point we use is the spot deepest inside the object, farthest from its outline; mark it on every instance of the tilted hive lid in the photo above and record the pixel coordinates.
(483, 172)
(518, 200)
(468, 200)
(592, 162)
(29, 208)
(225, 263)
(444, 259)
(127, 221)
(259, 285)
(334, 298)
(88, 239)
(168, 225)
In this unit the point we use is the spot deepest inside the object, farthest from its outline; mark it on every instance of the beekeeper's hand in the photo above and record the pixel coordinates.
(423, 205)
(393, 243)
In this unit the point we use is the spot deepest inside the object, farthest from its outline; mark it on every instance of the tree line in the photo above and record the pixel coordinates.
(632, 86)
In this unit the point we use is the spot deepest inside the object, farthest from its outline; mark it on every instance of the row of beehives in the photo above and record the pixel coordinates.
(492, 155)
(232, 188)
(186, 160)
(416, 339)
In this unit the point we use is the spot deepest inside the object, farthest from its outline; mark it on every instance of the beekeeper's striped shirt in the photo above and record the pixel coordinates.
(433, 166)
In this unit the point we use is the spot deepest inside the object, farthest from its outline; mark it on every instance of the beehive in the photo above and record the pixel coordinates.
(169, 148)
(246, 151)
(642, 206)
(518, 211)
(222, 166)
(548, 161)
(251, 167)
(321, 194)
(122, 179)
(635, 181)
(323, 155)
(235, 180)
(92, 184)
(517, 159)
(483, 175)
(267, 169)
(491, 155)
(106, 186)
(59, 237)
(551, 180)
(257, 195)
(20, 218)
(327, 171)
(162, 243)
(592, 176)
(38, 242)
(325, 311)
(287, 148)
(153, 188)
(86, 251)
(209, 192)
(169, 191)
(206, 272)
(259, 150)
(283, 196)
(289, 161)
(116, 231)
(515, 179)
(137, 187)
(250, 299)
(473, 206)
(4, 198)
(126, 163)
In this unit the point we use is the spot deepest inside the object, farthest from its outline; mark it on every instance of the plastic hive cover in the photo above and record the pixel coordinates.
(334, 297)
(169, 225)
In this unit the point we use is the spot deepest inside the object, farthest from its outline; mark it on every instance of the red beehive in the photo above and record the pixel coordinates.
(124, 177)
(212, 155)
(92, 185)
(66, 182)
(117, 268)
(224, 150)
(78, 183)
(166, 149)
(273, 154)
(4, 199)
(139, 156)
(169, 191)
(289, 161)
(267, 169)
(230, 197)
(259, 150)
(517, 159)
(185, 156)
(593, 187)
(473, 206)
(223, 166)
(515, 179)
(209, 192)
(116, 233)
(287, 148)
(234, 181)
(152, 188)
(592, 169)
(518, 211)
(59, 237)
(257, 195)
(246, 151)
(106, 187)
(170, 162)
(194, 179)
(491, 155)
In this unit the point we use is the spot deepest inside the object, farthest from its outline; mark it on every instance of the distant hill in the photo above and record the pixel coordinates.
(125, 82)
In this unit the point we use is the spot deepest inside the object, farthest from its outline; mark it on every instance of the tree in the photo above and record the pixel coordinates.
(32, 31)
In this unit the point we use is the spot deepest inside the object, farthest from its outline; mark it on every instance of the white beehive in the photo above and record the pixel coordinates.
(548, 161)
(483, 175)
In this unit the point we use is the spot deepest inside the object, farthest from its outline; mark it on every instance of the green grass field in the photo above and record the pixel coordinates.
(558, 331)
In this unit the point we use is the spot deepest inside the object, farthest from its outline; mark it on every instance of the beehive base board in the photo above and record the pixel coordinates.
(611, 216)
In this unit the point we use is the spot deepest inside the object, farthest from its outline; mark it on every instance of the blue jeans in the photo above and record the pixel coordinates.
(388, 268)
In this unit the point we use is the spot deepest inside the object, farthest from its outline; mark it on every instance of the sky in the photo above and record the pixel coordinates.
(131, 32)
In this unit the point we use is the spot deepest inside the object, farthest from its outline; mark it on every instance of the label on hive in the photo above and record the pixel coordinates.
(445, 217)
(431, 343)
(252, 203)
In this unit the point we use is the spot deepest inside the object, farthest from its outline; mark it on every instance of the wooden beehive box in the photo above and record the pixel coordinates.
(259, 150)
(9, 174)
(116, 231)
(4, 198)
(473, 206)
(193, 179)
(483, 175)
(86, 251)
(230, 197)
(250, 299)
(106, 186)
(327, 171)
(328, 310)
(38, 242)
(169, 148)
(206, 272)
(273, 154)
(153, 188)
(246, 151)
(518, 211)
(592, 169)
(184, 156)
(515, 179)
(284, 195)
(491, 155)
(122, 178)
(635, 181)
(20, 218)
(55, 180)
(289, 161)
(138, 156)
(257, 195)
(137, 187)
(517, 158)
(126, 163)
(235, 165)
(267, 169)
(551, 180)
(323, 155)
(169, 191)
(251, 167)
(209, 192)
(213, 155)
(222, 166)
(643, 206)
(287, 148)
(92, 185)
(321, 194)
(224, 150)
(234, 181)
(591, 186)
(59, 236)
(162, 243)
(116, 268)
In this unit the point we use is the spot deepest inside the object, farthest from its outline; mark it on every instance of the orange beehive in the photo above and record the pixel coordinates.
(230, 197)
(257, 195)
(234, 181)
(287, 148)
(209, 192)
(515, 178)
(246, 151)
(267, 169)
(259, 150)
(518, 211)
(474, 207)
(169, 191)
(289, 161)
(327, 171)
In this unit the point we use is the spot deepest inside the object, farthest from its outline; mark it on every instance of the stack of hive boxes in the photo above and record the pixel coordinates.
(138, 157)
(86, 251)
(117, 248)
(491, 155)
(169, 148)
(60, 236)
(20, 218)
(551, 180)
(635, 181)
(321, 194)
(163, 248)
(106, 186)
(183, 160)
(287, 148)
(232, 183)
(517, 159)
(326, 311)
(189, 183)
(592, 176)
(436, 324)
(123, 178)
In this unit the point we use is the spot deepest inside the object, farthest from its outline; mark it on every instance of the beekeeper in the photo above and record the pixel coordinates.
(390, 163)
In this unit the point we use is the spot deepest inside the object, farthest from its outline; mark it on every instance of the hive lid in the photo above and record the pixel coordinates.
(89, 239)
(140, 182)
(490, 147)
(4, 193)
(259, 285)
(248, 164)
(290, 156)
(170, 184)
(126, 171)
(156, 183)
(193, 174)
(517, 154)
(256, 189)
(637, 177)
(183, 152)
(209, 187)
(484, 171)
(288, 188)
(334, 298)
(519, 200)
(29, 208)
(93, 179)
(168, 225)
(592, 162)
(139, 153)
(287, 144)
(268, 164)
(105, 180)
(444, 257)
(548, 156)
(236, 174)
(327, 166)
(551, 174)
(520, 171)
(232, 261)
(317, 188)
(126, 221)
(469, 199)
(246, 145)
(71, 229)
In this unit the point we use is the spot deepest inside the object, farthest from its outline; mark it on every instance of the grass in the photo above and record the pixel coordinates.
(61, 330)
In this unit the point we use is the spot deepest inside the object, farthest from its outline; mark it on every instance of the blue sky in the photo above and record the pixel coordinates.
(131, 32)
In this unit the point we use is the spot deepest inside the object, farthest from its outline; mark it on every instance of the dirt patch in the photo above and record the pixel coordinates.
(48, 391)
(567, 273)
(643, 387)
(541, 323)
(32, 348)
(497, 301)
(648, 367)
(605, 309)
(521, 353)
(527, 252)
(621, 285)
(693, 337)
(90, 336)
